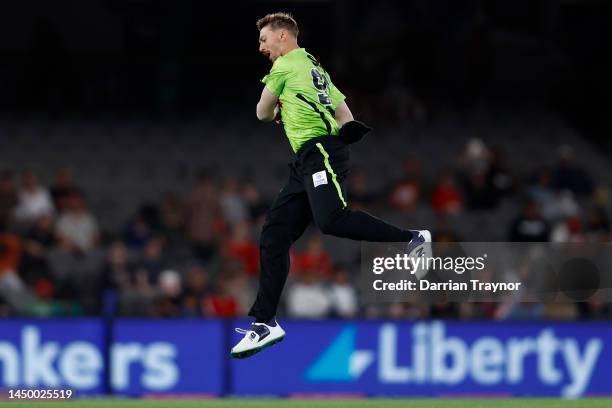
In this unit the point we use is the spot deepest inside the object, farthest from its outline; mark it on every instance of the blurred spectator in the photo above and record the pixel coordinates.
(76, 227)
(172, 214)
(475, 158)
(62, 188)
(563, 206)
(138, 299)
(484, 174)
(446, 198)
(559, 311)
(142, 282)
(498, 177)
(12, 289)
(204, 220)
(221, 303)
(567, 175)
(242, 247)
(41, 232)
(252, 197)
(196, 291)
(595, 308)
(479, 194)
(37, 241)
(314, 258)
(117, 270)
(567, 230)
(444, 310)
(240, 288)
(308, 298)
(520, 311)
(597, 224)
(541, 191)
(405, 193)
(232, 203)
(529, 226)
(34, 199)
(77, 278)
(8, 197)
(153, 260)
(444, 231)
(10, 252)
(168, 303)
(138, 231)
(343, 295)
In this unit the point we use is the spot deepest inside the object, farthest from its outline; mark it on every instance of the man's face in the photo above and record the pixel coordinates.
(270, 42)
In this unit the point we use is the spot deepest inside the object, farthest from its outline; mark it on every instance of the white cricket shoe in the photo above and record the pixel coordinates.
(420, 247)
(256, 338)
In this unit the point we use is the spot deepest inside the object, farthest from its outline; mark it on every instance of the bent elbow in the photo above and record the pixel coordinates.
(262, 116)
(343, 120)
(258, 113)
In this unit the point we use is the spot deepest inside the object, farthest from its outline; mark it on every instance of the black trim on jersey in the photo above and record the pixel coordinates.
(314, 107)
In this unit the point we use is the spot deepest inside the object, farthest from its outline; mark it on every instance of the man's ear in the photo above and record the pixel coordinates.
(283, 34)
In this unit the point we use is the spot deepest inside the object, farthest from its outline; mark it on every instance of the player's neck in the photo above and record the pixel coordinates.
(290, 47)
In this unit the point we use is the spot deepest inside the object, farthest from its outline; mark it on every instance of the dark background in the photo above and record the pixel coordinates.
(151, 57)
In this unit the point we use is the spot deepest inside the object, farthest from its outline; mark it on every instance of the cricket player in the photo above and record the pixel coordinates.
(319, 126)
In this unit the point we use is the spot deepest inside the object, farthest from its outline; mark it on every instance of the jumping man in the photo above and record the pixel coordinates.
(319, 126)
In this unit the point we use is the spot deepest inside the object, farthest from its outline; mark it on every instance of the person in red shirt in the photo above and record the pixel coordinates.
(221, 303)
(406, 193)
(446, 197)
(313, 258)
(242, 247)
(10, 253)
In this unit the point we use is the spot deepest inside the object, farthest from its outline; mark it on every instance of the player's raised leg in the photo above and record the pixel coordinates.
(324, 169)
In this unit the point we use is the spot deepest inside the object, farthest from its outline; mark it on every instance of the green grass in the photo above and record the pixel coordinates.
(369, 403)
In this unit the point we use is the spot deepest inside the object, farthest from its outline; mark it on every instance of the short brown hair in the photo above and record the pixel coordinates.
(279, 20)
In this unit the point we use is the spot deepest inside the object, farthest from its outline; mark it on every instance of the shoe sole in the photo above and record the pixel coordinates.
(252, 352)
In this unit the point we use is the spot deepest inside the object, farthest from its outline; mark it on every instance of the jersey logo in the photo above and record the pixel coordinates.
(319, 178)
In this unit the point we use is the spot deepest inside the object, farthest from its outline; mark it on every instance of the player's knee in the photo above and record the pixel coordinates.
(268, 241)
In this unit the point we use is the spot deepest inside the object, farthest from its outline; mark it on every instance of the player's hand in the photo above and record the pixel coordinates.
(277, 114)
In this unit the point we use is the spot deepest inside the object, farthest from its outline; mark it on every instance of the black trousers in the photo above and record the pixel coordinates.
(316, 191)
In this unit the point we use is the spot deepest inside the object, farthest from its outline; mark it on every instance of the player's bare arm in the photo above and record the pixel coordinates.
(267, 105)
(343, 114)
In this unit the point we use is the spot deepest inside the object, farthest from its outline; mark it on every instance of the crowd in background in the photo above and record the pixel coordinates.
(198, 255)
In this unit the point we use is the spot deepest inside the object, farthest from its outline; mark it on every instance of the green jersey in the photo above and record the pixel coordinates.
(307, 96)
